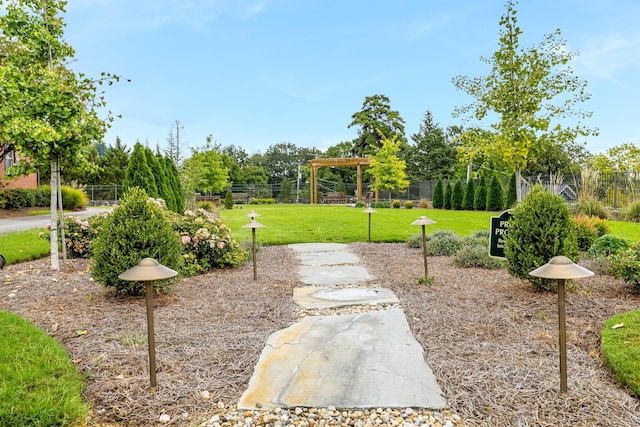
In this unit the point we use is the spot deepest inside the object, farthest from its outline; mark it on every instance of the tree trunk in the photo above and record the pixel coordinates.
(470, 169)
(55, 264)
(61, 210)
(518, 185)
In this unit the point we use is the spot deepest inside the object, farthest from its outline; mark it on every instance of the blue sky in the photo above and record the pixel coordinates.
(254, 73)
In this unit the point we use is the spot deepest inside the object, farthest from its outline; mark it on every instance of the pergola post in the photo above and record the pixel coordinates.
(314, 164)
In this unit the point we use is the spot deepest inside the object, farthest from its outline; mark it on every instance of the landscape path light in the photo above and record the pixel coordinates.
(561, 268)
(147, 271)
(424, 221)
(253, 224)
(369, 211)
(252, 214)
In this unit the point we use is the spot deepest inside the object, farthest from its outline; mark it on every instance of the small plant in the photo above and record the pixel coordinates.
(443, 243)
(607, 245)
(207, 206)
(586, 232)
(424, 204)
(408, 204)
(426, 280)
(228, 200)
(476, 256)
(632, 212)
(626, 264)
(540, 315)
(360, 204)
(591, 206)
(415, 241)
(396, 204)
(380, 205)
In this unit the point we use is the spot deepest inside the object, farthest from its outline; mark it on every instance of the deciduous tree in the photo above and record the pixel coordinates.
(47, 111)
(386, 168)
(531, 92)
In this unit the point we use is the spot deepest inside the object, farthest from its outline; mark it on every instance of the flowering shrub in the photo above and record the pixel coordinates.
(79, 235)
(206, 242)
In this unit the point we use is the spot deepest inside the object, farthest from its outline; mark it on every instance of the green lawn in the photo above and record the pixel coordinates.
(23, 246)
(621, 348)
(39, 386)
(343, 224)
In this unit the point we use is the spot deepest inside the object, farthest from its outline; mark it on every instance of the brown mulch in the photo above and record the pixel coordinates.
(18, 213)
(491, 340)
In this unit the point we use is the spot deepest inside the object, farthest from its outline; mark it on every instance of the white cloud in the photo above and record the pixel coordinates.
(609, 56)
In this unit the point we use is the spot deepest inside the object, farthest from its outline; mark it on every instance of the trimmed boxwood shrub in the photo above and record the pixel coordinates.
(408, 204)
(137, 229)
(17, 198)
(540, 229)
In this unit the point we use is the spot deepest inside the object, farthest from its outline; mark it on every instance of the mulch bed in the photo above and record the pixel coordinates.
(490, 339)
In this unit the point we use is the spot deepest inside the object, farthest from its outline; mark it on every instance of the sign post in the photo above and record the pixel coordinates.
(499, 230)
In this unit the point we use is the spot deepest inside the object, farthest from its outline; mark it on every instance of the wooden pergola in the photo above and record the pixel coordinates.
(314, 164)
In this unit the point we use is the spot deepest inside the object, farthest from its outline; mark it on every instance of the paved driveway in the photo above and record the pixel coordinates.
(40, 221)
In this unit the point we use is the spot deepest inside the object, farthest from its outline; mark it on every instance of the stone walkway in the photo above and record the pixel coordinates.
(365, 359)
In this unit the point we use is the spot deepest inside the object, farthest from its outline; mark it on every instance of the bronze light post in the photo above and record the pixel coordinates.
(148, 270)
(369, 211)
(561, 268)
(423, 221)
(253, 224)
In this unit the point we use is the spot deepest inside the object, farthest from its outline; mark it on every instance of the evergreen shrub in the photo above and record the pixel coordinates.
(469, 194)
(360, 204)
(263, 201)
(136, 229)
(228, 200)
(17, 198)
(438, 195)
(380, 205)
(540, 229)
(457, 195)
(396, 204)
(448, 195)
(408, 204)
(495, 199)
(480, 198)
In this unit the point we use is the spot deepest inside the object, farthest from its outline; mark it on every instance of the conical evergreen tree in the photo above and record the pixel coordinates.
(495, 197)
(480, 198)
(469, 195)
(138, 173)
(176, 185)
(457, 195)
(512, 197)
(167, 190)
(438, 195)
(448, 192)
